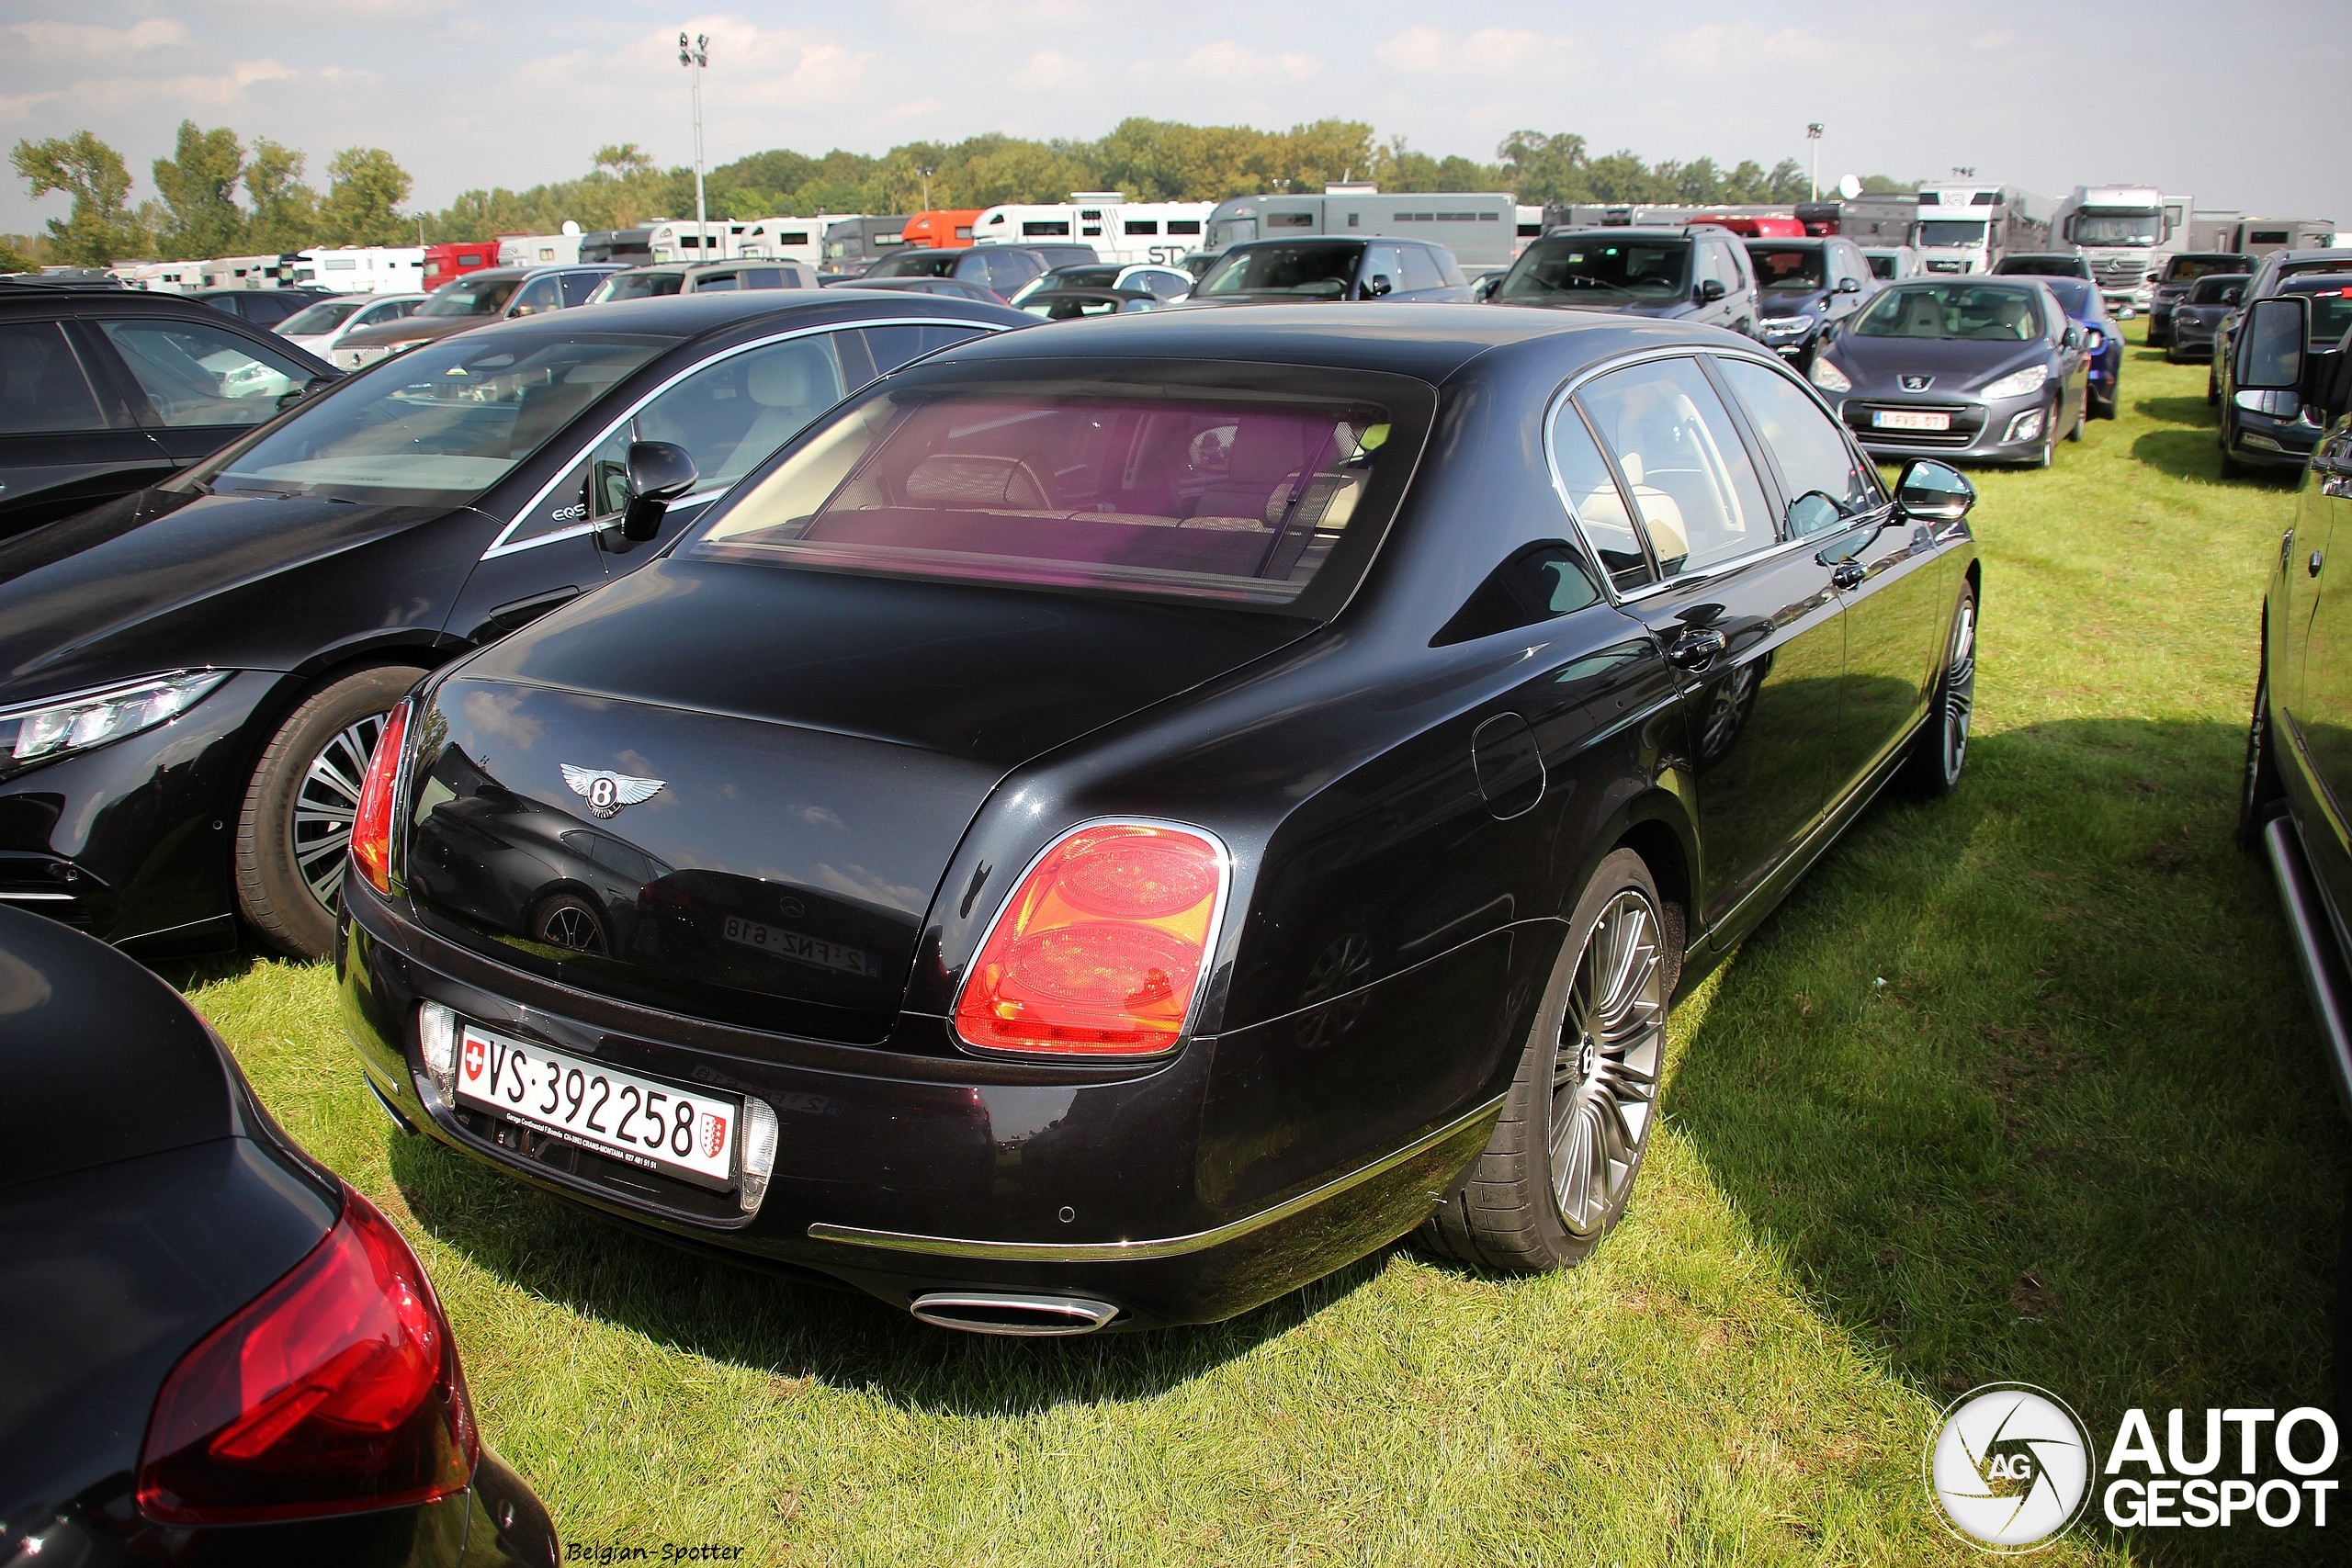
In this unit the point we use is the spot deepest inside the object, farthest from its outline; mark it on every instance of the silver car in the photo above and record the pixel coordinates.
(1989, 368)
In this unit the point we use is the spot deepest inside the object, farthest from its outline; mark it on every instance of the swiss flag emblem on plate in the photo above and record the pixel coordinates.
(475, 1053)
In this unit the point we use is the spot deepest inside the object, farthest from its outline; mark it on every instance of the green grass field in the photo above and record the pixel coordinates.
(2020, 1086)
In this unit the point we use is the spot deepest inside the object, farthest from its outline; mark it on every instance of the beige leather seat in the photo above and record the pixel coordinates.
(792, 383)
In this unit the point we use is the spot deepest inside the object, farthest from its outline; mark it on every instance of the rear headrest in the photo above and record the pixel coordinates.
(946, 479)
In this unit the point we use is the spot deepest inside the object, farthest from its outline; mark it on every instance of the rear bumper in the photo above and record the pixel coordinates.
(1183, 1191)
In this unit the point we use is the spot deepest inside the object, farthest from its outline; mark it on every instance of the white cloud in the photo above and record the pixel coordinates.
(1226, 62)
(1713, 48)
(1048, 69)
(1425, 52)
(54, 40)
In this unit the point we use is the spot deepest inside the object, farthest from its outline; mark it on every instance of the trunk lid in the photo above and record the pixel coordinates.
(730, 790)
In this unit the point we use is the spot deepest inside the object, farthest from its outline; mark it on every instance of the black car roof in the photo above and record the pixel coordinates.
(1427, 341)
(684, 316)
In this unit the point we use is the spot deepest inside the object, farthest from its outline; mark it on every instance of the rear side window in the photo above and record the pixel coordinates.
(198, 374)
(41, 383)
(1693, 488)
(1241, 499)
(1807, 444)
(578, 286)
(1420, 269)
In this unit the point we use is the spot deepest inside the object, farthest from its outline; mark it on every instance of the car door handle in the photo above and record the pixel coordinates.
(1696, 648)
(1848, 574)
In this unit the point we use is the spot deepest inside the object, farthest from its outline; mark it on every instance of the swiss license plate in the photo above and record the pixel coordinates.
(643, 1122)
(799, 947)
(1909, 418)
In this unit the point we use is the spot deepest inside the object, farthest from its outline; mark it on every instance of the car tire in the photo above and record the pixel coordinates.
(1939, 752)
(1559, 1170)
(2082, 417)
(296, 822)
(2262, 795)
(2047, 453)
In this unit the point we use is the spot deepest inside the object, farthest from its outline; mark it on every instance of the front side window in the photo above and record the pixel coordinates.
(1420, 269)
(1241, 499)
(470, 297)
(578, 286)
(41, 385)
(1309, 269)
(1812, 453)
(539, 295)
(196, 375)
(437, 425)
(646, 284)
(1598, 270)
(1693, 488)
(1987, 312)
(1590, 491)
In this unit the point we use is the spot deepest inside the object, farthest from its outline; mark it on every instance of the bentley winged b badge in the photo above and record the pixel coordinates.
(606, 791)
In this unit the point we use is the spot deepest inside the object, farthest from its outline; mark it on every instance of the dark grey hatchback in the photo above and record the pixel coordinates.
(1289, 271)
(1698, 273)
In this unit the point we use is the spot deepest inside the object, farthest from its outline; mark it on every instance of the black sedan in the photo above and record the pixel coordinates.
(2197, 318)
(191, 677)
(1154, 808)
(1978, 367)
(2265, 427)
(213, 1351)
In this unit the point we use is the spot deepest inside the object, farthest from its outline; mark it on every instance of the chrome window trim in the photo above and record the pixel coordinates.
(506, 543)
(1569, 388)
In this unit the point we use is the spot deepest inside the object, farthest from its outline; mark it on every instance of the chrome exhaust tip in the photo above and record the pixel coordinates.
(1011, 1313)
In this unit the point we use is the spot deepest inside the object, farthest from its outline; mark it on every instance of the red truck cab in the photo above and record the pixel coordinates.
(1755, 228)
(444, 263)
(942, 229)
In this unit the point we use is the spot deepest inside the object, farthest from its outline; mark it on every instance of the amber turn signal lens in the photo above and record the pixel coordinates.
(1100, 950)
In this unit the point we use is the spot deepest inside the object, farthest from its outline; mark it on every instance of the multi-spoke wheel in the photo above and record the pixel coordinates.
(294, 832)
(1942, 751)
(567, 920)
(1560, 1168)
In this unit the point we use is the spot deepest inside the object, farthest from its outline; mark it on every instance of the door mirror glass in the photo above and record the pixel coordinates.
(1376, 285)
(1849, 286)
(1930, 491)
(1711, 289)
(2270, 345)
(2073, 338)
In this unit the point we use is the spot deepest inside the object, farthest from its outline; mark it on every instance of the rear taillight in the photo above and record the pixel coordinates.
(371, 825)
(1100, 950)
(335, 1391)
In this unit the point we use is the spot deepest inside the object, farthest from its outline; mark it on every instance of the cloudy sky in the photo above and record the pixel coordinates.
(2198, 99)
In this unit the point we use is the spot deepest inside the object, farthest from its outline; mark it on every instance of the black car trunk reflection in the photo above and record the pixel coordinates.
(797, 815)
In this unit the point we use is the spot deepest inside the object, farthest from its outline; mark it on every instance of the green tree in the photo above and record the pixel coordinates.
(1622, 176)
(14, 260)
(198, 184)
(99, 229)
(285, 210)
(365, 190)
(1544, 169)
(1788, 181)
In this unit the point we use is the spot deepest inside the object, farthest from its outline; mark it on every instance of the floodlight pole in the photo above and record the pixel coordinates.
(693, 57)
(1812, 135)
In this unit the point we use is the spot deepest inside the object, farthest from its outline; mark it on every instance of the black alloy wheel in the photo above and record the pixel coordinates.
(1940, 752)
(567, 920)
(1559, 1170)
(294, 830)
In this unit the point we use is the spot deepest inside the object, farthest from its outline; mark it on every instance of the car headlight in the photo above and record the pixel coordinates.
(39, 731)
(2017, 383)
(1788, 326)
(1828, 377)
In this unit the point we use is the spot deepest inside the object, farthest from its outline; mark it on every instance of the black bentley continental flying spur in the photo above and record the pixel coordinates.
(1119, 819)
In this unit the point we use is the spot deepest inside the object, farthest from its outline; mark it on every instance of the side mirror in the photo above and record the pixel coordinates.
(1711, 291)
(2073, 338)
(1930, 491)
(2270, 345)
(659, 473)
(1377, 285)
(1849, 286)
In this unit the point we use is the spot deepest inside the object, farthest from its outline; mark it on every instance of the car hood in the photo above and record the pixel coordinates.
(794, 758)
(1659, 309)
(1789, 301)
(163, 580)
(1958, 366)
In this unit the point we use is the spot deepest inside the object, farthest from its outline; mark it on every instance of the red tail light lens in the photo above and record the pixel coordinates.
(335, 1391)
(371, 825)
(1099, 951)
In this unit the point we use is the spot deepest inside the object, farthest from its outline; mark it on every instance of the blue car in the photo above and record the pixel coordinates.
(2102, 339)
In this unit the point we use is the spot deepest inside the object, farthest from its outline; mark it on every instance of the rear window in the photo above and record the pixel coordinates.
(1310, 270)
(1790, 266)
(2331, 300)
(1237, 498)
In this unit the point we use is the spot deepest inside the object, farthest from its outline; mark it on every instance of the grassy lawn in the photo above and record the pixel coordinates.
(2018, 1085)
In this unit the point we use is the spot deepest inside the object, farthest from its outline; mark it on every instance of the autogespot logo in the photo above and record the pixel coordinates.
(2011, 1466)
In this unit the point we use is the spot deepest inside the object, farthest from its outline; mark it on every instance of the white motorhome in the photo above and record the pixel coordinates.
(2127, 233)
(719, 239)
(1482, 230)
(1970, 228)
(163, 278)
(541, 250)
(354, 270)
(239, 272)
(785, 238)
(1119, 230)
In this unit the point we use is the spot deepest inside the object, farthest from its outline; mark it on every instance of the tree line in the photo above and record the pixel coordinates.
(217, 196)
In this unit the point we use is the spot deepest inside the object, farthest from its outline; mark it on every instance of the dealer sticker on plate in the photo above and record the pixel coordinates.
(653, 1125)
(1909, 418)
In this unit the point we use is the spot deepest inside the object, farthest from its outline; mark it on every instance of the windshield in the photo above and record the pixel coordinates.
(322, 317)
(1789, 267)
(1966, 310)
(1311, 269)
(2094, 226)
(2187, 269)
(916, 263)
(1949, 231)
(1595, 268)
(436, 425)
(2218, 289)
(1232, 231)
(2075, 296)
(1240, 499)
(470, 297)
(637, 286)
